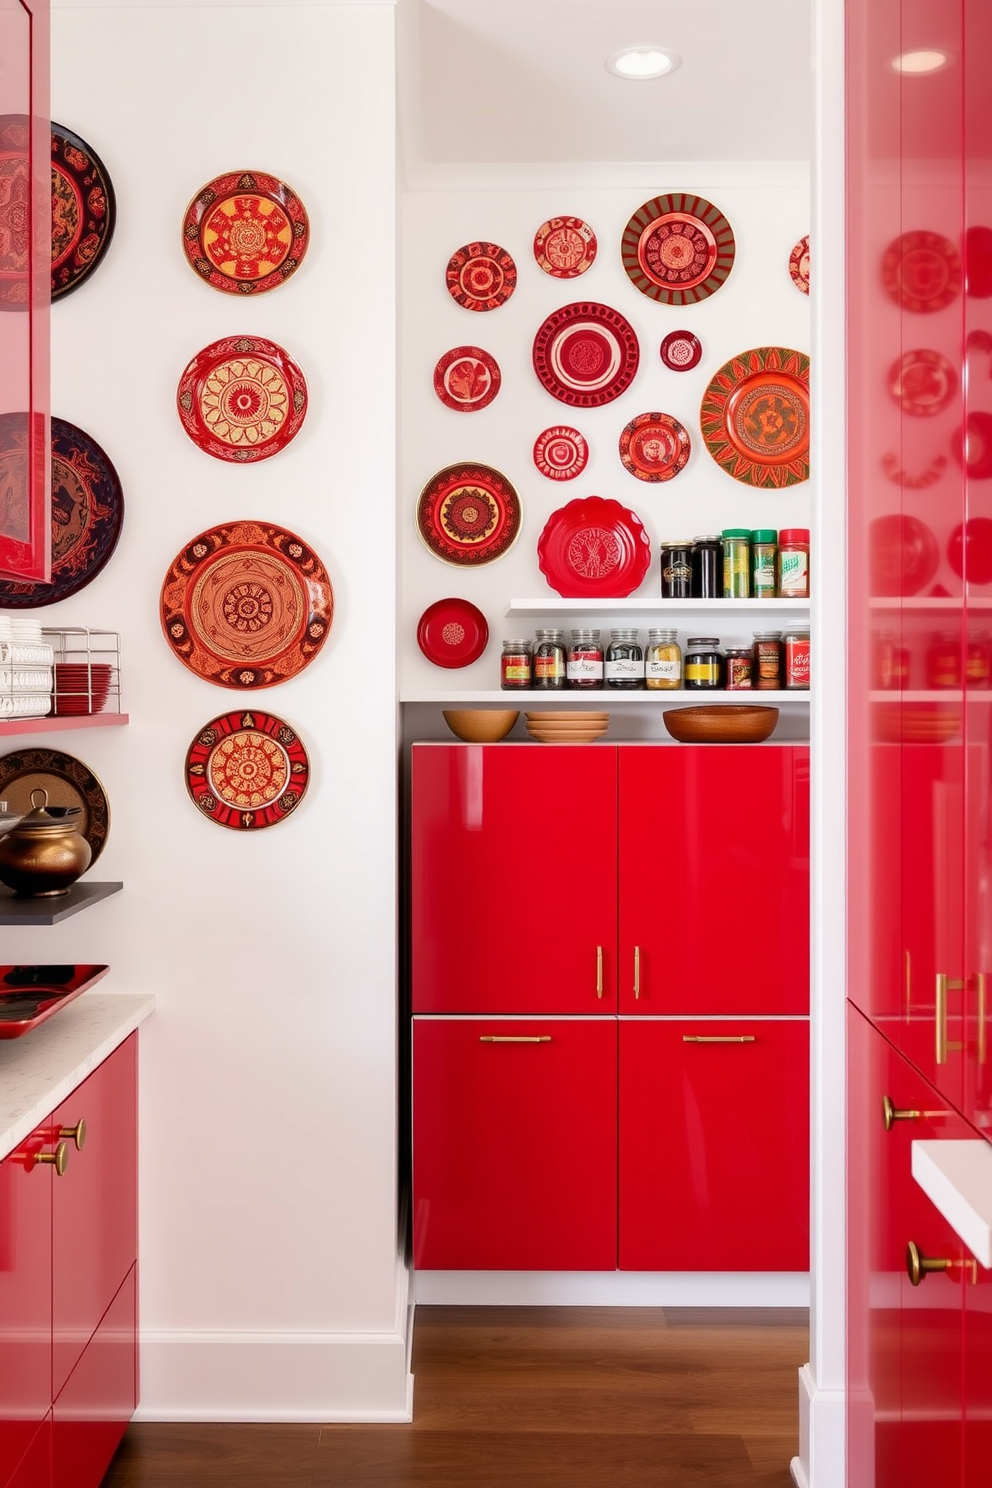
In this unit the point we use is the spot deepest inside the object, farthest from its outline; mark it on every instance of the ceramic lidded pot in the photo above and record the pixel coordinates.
(45, 852)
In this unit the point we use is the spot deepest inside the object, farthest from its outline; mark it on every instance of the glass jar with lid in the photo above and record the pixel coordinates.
(624, 665)
(676, 569)
(549, 660)
(736, 563)
(515, 665)
(707, 567)
(663, 661)
(764, 551)
(703, 662)
(793, 563)
(584, 667)
(766, 666)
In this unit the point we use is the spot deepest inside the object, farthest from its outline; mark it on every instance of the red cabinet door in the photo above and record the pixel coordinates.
(714, 879)
(25, 1298)
(714, 1145)
(93, 1408)
(515, 1144)
(94, 1230)
(35, 1468)
(514, 878)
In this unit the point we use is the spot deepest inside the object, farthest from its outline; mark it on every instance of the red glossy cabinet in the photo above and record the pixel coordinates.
(35, 1468)
(99, 1397)
(25, 1298)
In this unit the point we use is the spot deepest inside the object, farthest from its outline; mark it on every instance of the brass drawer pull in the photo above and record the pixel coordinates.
(637, 972)
(599, 971)
(75, 1134)
(514, 1038)
(919, 1266)
(890, 1115)
(59, 1159)
(718, 1038)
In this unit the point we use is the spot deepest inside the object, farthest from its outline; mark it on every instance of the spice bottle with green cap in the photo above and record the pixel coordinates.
(736, 562)
(764, 550)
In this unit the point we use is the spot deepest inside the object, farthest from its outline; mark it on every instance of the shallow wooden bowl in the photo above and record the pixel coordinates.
(728, 723)
(480, 725)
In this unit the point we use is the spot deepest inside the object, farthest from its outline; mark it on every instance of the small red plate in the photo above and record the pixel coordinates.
(903, 555)
(247, 770)
(594, 548)
(452, 633)
(655, 446)
(31, 994)
(681, 350)
(754, 417)
(466, 378)
(586, 354)
(468, 514)
(678, 248)
(922, 382)
(921, 271)
(971, 544)
(242, 399)
(245, 232)
(560, 453)
(481, 276)
(564, 247)
(978, 262)
(799, 265)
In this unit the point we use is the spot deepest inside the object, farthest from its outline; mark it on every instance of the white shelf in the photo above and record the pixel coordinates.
(667, 607)
(913, 605)
(951, 696)
(606, 697)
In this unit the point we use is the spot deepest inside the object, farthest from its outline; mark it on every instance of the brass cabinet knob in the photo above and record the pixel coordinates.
(890, 1115)
(59, 1158)
(919, 1266)
(75, 1134)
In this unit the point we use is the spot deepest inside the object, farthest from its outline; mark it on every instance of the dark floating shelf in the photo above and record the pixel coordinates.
(18, 911)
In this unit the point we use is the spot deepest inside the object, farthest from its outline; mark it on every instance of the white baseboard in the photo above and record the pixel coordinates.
(611, 1288)
(822, 1460)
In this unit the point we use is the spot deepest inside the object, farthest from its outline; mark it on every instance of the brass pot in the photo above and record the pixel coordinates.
(45, 852)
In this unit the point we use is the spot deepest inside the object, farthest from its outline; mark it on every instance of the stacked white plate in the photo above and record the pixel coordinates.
(26, 661)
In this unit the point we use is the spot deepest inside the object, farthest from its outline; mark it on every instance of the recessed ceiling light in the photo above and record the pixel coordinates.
(642, 62)
(918, 63)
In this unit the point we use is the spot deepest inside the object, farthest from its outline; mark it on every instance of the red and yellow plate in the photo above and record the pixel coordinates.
(247, 770)
(245, 232)
(242, 399)
(468, 514)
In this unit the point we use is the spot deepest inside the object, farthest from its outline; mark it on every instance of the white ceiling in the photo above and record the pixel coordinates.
(523, 81)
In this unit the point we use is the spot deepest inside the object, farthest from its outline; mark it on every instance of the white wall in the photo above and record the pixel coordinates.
(269, 1278)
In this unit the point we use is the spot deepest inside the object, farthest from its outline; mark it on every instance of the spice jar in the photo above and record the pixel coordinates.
(676, 570)
(549, 660)
(706, 561)
(976, 661)
(944, 660)
(624, 667)
(515, 665)
(737, 663)
(703, 662)
(764, 549)
(766, 660)
(793, 563)
(796, 646)
(736, 563)
(663, 661)
(584, 667)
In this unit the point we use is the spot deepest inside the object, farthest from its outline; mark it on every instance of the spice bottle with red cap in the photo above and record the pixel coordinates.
(793, 563)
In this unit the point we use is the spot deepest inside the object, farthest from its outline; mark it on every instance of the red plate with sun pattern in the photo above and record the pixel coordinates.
(466, 378)
(481, 276)
(468, 514)
(247, 770)
(242, 399)
(560, 452)
(678, 249)
(755, 417)
(245, 232)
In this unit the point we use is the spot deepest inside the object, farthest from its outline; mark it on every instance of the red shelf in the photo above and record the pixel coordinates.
(59, 724)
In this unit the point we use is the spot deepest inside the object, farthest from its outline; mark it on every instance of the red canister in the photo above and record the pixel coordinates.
(796, 645)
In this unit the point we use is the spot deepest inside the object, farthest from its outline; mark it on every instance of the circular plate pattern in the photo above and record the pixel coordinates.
(560, 453)
(452, 633)
(799, 265)
(755, 417)
(84, 211)
(466, 378)
(481, 276)
(678, 249)
(903, 555)
(922, 382)
(245, 232)
(468, 514)
(68, 782)
(242, 399)
(971, 544)
(15, 211)
(655, 446)
(87, 509)
(586, 354)
(922, 271)
(594, 548)
(564, 247)
(246, 605)
(247, 770)
(681, 350)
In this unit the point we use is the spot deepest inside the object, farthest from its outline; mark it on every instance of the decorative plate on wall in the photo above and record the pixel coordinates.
(245, 232)
(560, 452)
(903, 555)
(84, 210)
(481, 276)
(452, 633)
(466, 378)
(468, 514)
(923, 382)
(655, 446)
(681, 350)
(799, 265)
(246, 605)
(755, 417)
(921, 271)
(87, 510)
(586, 354)
(969, 550)
(242, 398)
(68, 782)
(594, 548)
(247, 770)
(678, 249)
(973, 446)
(564, 247)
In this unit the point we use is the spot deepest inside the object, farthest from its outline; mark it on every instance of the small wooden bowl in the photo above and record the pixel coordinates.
(480, 725)
(727, 723)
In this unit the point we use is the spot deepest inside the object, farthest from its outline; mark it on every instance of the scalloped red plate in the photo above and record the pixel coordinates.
(561, 452)
(594, 548)
(242, 399)
(452, 633)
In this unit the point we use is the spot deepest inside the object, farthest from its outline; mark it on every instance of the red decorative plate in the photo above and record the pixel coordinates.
(15, 211)
(560, 453)
(87, 510)
(678, 249)
(466, 378)
(594, 548)
(468, 514)
(978, 262)
(971, 544)
(242, 399)
(755, 417)
(481, 276)
(452, 633)
(246, 605)
(903, 555)
(655, 446)
(922, 382)
(30, 994)
(799, 265)
(586, 354)
(681, 350)
(974, 450)
(245, 232)
(247, 770)
(564, 247)
(922, 271)
(84, 211)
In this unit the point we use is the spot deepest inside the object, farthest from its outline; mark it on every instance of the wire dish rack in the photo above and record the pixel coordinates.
(86, 670)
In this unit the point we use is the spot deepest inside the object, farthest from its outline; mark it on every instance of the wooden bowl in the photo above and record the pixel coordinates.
(727, 723)
(480, 725)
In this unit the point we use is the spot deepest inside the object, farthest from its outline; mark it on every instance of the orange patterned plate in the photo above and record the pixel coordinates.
(754, 417)
(242, 398)
(678, 248)
(245, 232)
(247, 770)
(655, 446)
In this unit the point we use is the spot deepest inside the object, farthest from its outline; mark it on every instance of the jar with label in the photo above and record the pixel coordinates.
(706, 559)
(584, 667)
(976, 661)
(549, 660)
(796, 646)
(676, 570)
(764, 550)
(736, 563)
(624, 665)
(515, 665)
(737, 663)
(766, 660)
(663, 661)
(943, 668)
(884, 660)
(703, 662)
(793, 563)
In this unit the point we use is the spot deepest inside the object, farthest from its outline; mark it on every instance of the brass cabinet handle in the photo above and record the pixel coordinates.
(945, 984)
(59, 1158)
(919, 1266)
(75, 1134)
(637, 972)
(890, 1115)
(514, 1038)
(599, 971)
(718, 1038)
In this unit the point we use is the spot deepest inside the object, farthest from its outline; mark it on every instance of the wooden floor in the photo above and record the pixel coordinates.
(536, 1398)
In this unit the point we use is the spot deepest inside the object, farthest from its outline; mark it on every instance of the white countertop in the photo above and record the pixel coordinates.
(956, 1176)
(38, 1070)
